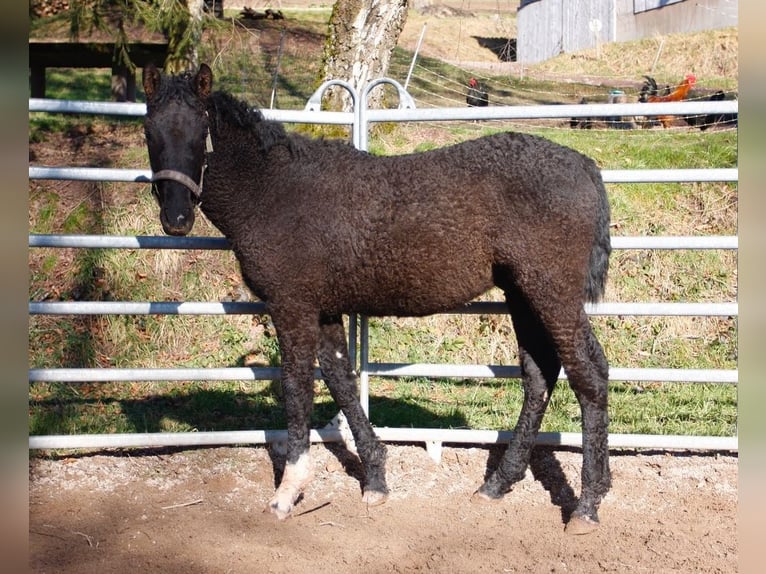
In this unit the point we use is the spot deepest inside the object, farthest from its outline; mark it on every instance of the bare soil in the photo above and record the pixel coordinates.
(194, 511)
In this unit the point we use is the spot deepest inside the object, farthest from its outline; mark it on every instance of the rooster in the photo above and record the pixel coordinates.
(650, 93)
(477, 95)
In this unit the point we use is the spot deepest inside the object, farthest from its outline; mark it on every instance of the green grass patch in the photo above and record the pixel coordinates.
(690, 409)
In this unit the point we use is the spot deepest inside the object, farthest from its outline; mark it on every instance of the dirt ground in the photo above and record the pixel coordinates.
(201, 510)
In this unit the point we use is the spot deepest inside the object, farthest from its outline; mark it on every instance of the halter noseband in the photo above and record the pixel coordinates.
(183, 179)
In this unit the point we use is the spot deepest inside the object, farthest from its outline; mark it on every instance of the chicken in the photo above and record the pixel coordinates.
(706, 121)
(650, 93)
(583, 123)
(477, 95)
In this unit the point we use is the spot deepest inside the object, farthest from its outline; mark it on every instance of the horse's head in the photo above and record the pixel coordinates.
(176, 129)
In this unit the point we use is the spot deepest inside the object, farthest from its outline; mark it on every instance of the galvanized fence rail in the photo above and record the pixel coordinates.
(433, 438)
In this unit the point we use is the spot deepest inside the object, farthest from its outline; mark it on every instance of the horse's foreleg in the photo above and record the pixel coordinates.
(341, 381)
(540, 368)
(297, 476)
(297, 348)
(589, 379)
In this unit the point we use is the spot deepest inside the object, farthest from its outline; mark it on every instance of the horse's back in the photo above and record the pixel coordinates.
(507, 171)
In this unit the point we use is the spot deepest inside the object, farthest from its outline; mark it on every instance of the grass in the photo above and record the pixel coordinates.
(168, 341)
(711, 56)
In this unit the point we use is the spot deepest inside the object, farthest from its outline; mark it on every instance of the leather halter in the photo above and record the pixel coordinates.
(182, 178)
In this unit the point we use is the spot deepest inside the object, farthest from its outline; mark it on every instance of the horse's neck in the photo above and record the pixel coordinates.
(231, 180)
(230, 149)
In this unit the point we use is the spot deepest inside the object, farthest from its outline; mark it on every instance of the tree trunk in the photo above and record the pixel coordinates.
(362, 37)
(196, 13)
(183, 26)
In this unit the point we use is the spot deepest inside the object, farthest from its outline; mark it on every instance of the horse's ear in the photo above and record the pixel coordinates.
(203, 81)
(151, 79)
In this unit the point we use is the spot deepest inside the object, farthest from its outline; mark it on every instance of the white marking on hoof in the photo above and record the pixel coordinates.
(279, 508)
(296, 477)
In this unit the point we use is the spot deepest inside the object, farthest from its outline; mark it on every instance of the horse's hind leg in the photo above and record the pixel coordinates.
(588, 373)
(540, 369)
(341, 381)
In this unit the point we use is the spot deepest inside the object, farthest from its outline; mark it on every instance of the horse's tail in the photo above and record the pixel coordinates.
(602, 246)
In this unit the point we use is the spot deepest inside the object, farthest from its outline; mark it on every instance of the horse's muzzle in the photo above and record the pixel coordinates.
(179, 225)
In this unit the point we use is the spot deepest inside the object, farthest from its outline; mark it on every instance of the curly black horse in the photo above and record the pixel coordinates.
(321, 229)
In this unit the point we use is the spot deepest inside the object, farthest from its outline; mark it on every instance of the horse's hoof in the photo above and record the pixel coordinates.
(374, 497)
(581, 525)
(480, 497)
(280, 512)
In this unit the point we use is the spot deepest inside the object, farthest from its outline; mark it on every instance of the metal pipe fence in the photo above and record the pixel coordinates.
(360, 120)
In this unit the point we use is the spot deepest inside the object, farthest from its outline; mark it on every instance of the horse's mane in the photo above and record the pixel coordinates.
(231, 110)
(226, 109)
